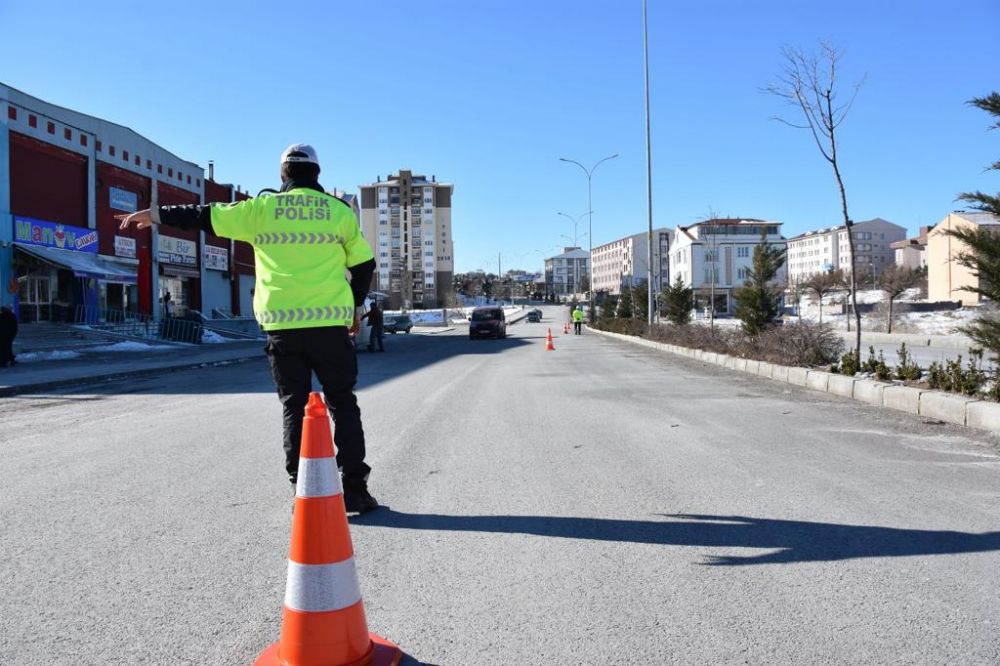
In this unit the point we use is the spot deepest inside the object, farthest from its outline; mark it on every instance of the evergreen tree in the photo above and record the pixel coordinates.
(759, 300)
(983, 254)
(608, 307)
(640, 302)
(679, 301)
(980, 201)
(625, 309)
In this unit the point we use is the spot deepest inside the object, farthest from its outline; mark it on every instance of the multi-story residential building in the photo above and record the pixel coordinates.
(719, 253)
(912, 252)
(567, 273)
(407, 220)
(947, 279)
(827, 249)
(622, 262)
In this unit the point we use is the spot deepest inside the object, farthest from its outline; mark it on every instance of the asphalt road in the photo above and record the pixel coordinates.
(599, 504)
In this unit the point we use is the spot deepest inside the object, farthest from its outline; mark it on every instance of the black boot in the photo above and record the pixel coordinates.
(357, 499)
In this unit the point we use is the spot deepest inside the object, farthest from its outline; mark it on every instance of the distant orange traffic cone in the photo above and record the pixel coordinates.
(548, 342)
(565, 328)
(324, 619)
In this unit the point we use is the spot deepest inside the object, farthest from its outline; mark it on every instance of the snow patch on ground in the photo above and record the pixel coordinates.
(212, 338)
(47, 356)
(128, 346)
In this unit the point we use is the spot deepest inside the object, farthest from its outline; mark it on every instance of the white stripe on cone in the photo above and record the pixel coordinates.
(318, 477)
(318, 588)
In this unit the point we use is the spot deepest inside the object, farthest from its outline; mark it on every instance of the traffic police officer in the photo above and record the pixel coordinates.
(303, 240)
(578, 320)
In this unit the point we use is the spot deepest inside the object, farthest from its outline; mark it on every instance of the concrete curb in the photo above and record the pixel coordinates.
(949, 407)
(8, 391)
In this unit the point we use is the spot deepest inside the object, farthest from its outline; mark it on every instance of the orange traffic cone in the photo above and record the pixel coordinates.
(565, 328)
(324, 619)
(548, 342)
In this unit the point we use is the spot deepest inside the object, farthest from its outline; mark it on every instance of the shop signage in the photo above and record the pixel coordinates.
(172, 250)
(124, 200)
(124, 247)
(51, 234)
(215, 258)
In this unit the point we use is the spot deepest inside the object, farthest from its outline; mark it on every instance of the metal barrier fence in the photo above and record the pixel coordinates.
(139, 325)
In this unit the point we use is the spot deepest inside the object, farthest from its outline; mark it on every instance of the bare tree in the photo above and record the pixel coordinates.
(711, 228)
(809, 82)
(795, 286)
(823, 284)
(894, 280)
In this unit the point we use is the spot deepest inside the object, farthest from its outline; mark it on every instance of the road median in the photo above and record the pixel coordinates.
(939, 405)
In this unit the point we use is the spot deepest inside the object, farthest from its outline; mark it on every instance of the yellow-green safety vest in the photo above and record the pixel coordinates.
(577, 316)
(303, 241)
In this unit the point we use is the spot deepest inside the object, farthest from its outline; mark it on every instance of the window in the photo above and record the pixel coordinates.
(429, 276)
(52, 127)
(743, 251)
(97, 145)
(12, 113)
(111, 151)
(741, 273)
(383, 254)
(32, 120)
(170, 173)
(159, 168)
(125, 155)
(383, 222)
(67, 134)
(429, 242)
(137, 160)
(83, 139)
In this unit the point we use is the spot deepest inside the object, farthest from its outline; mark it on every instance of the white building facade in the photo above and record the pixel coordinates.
(717, 255)
(407, 221)
(825, 250)
(567, 273)
(622, 262)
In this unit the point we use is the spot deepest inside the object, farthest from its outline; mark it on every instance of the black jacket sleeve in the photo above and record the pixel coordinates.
(361, 280)
(191, 216)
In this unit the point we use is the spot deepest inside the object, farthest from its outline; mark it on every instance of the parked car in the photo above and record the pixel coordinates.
(534, 316)
(399, 324)
(487, 322)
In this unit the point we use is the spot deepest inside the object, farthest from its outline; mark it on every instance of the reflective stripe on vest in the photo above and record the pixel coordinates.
(334, 315)
(302, 239)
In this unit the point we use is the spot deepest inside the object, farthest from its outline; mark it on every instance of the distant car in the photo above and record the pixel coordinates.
(534, 316)
(399, 323)
(487, 322)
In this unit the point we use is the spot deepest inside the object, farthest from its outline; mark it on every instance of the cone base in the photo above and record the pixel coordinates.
(386, 653)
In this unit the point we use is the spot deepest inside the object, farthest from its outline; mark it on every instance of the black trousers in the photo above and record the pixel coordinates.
(577, 327)
(329, 353)
(6, 350)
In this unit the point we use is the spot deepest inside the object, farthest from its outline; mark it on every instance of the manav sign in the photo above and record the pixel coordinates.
(52, 234)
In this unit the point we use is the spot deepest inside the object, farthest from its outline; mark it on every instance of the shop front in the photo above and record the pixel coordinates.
(179, 276)
(59, 272)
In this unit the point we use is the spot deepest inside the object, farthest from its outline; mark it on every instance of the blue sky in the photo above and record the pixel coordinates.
(488, 96)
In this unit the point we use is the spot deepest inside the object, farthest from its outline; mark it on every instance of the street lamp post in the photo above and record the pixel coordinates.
(649, 172)
(590, 219)
(575, 221)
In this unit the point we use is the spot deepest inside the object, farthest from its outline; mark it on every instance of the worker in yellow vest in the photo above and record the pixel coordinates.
(578, 320)
(304, 240)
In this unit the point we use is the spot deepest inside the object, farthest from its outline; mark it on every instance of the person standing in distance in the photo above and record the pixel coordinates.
(304, 240)
(578, 320)
(377, 324)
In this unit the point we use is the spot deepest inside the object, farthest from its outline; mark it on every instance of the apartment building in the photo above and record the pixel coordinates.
(912, 252)
(622, 263)
(828, 249)
(717, 255)
(946, 278)
(567, 273)
(407, 220)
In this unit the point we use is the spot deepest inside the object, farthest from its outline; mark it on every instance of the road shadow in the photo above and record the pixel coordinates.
(402, 357)
(790, 541)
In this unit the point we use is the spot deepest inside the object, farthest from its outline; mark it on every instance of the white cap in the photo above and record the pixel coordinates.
(308, 154)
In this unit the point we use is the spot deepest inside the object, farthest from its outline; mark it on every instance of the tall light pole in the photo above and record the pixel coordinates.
(649, 174)
(575, 222)
(590, 216)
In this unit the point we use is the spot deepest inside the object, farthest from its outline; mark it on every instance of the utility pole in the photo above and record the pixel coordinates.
(649, 175)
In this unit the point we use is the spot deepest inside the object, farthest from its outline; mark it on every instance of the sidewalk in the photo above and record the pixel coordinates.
(49, 371)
